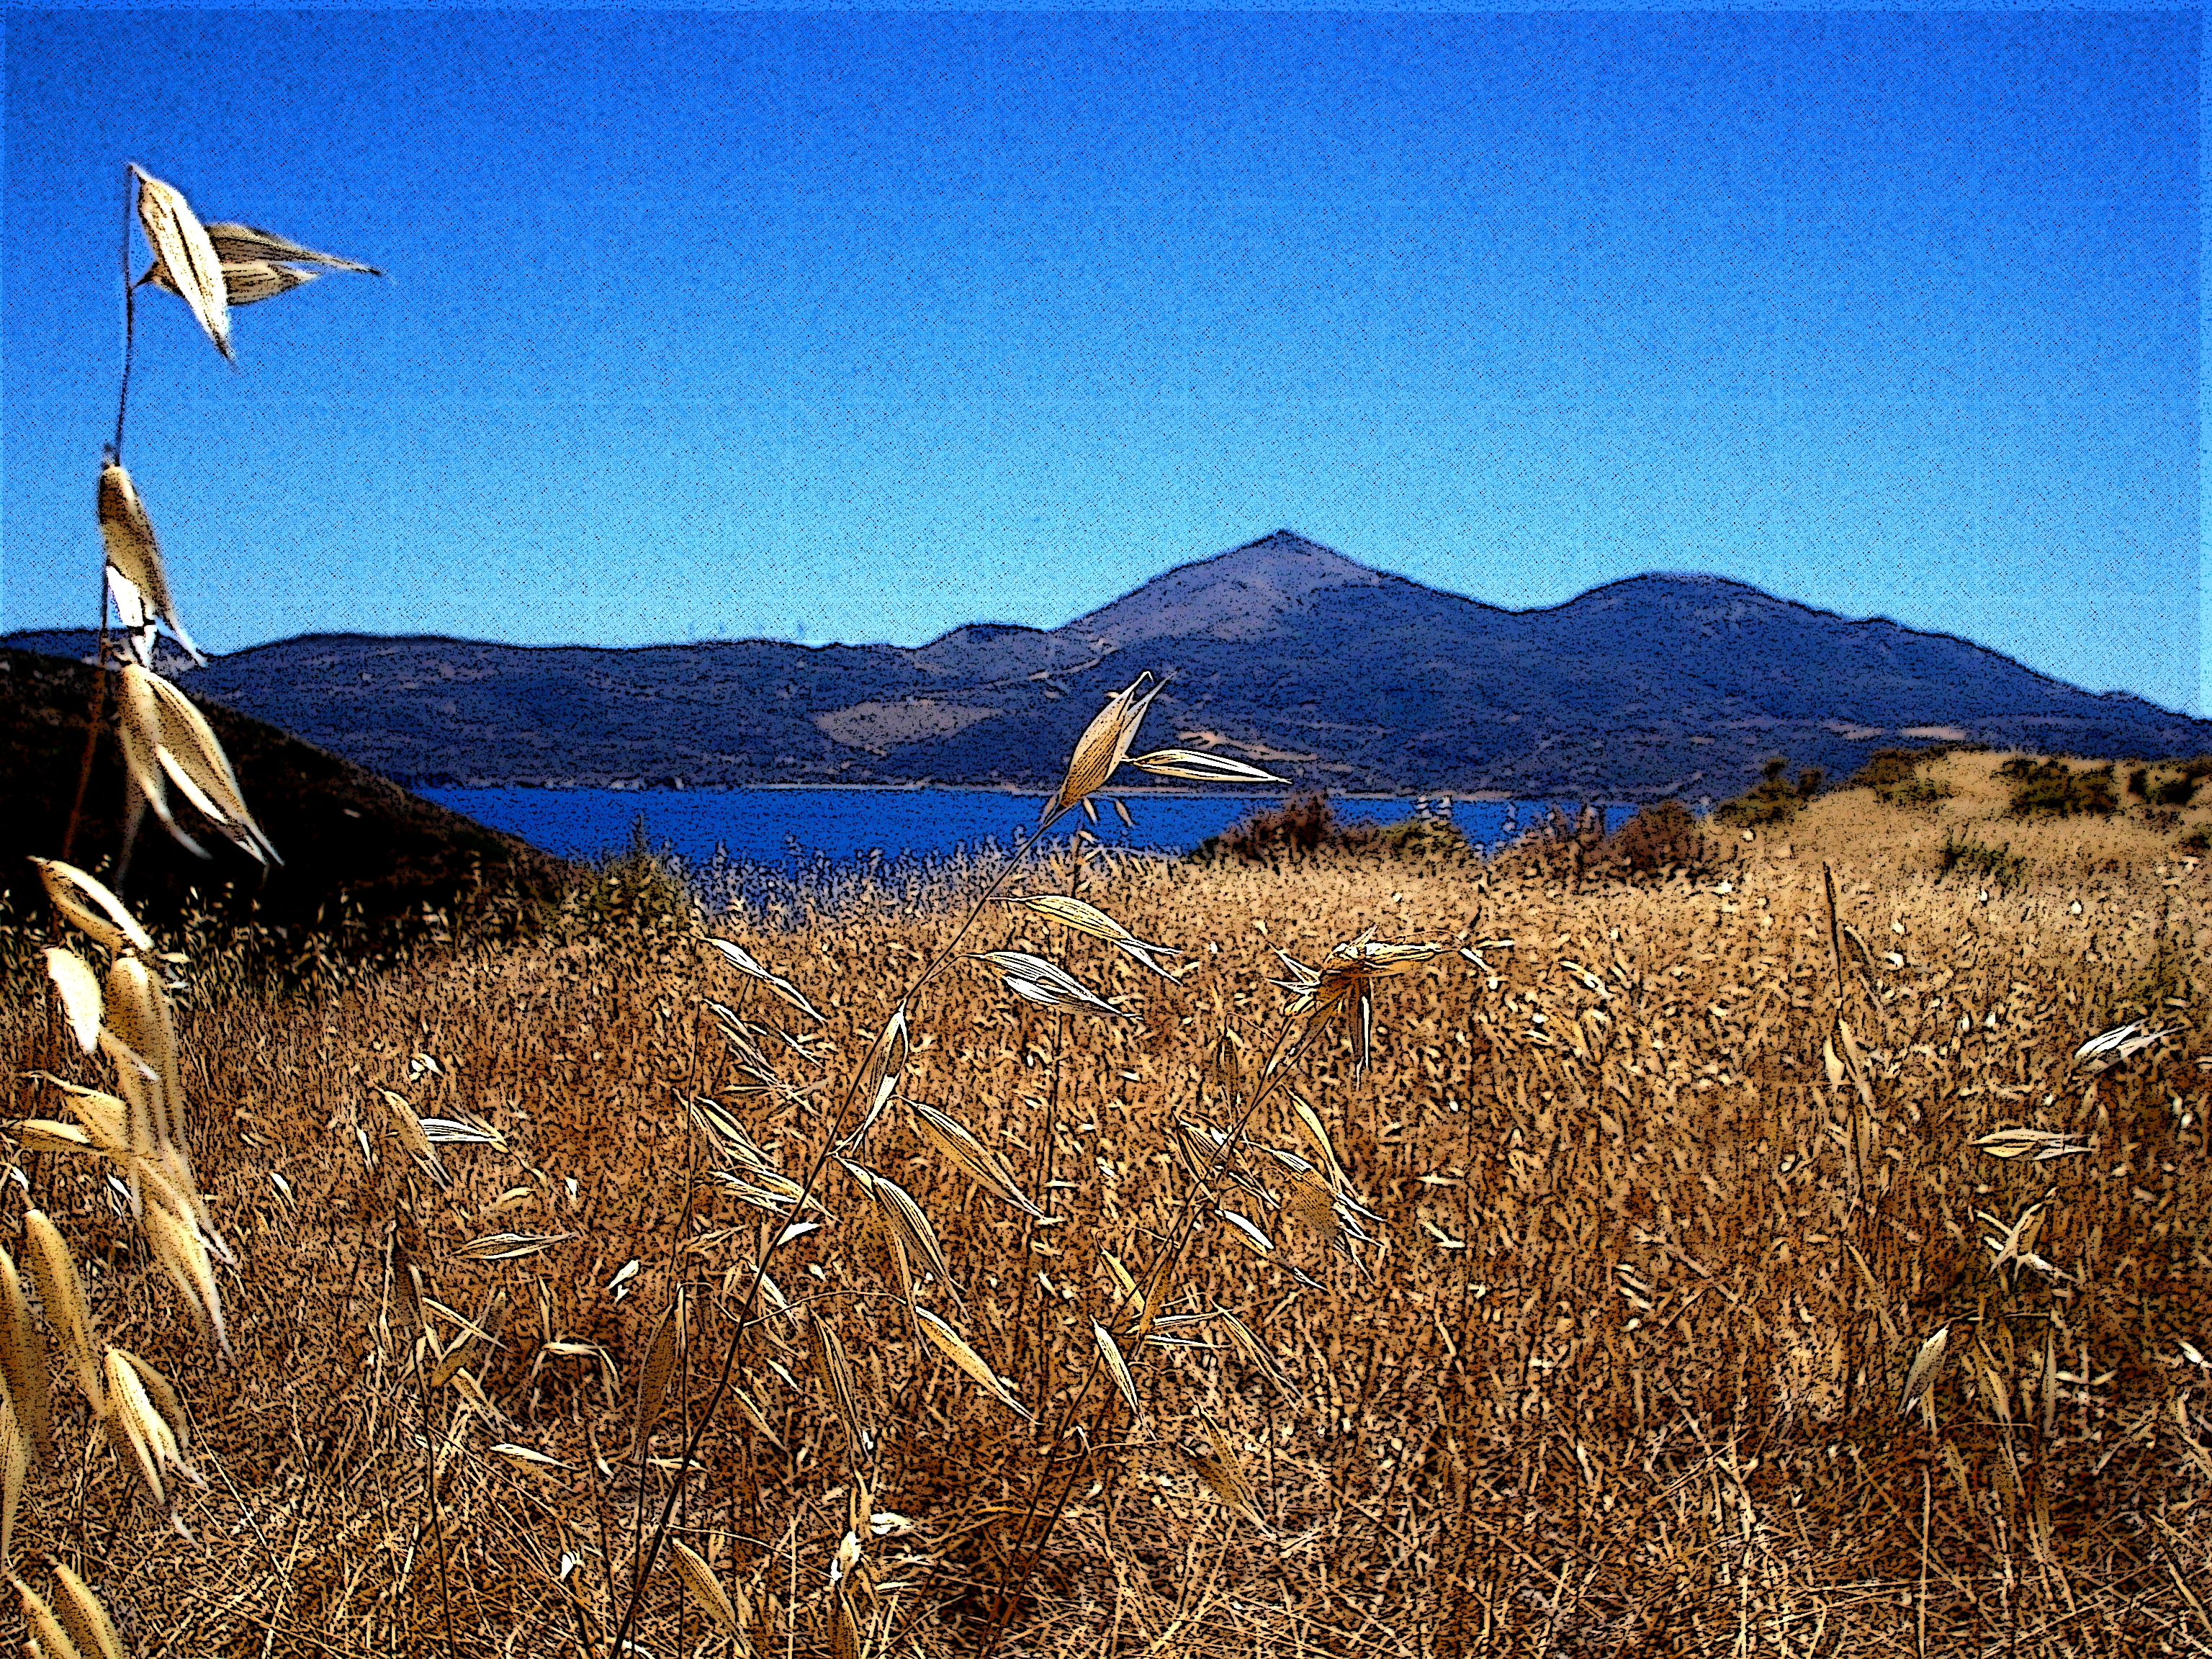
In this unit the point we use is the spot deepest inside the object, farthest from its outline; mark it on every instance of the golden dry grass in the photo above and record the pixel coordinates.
(1619, 1372)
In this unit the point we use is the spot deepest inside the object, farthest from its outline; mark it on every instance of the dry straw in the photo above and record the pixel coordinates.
(1590, 1272)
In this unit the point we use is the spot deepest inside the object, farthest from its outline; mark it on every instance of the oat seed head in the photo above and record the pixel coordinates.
(835, 1371)
(162, 1394)
(23, 1361)
(170, 741)
(51, 1636)
(950, 1343)
(654, 1377)
(1201, 767)
(1034, 980)
(137, 581)
(742, 959)
(15, 1468)
(1117, 1368)
(183, 1255)
(1225, 1475)
(85, 903)
(1926, 1365)
(89, 1624)
(699, 1578)
(1103, 745)
(911, 1230)
(181, 244)
(141, 1427)
(981, 1165)
(418, 1144)
(78, 987)
(62, 1292)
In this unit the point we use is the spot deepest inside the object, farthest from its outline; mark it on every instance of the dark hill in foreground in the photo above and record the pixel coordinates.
(1281, 652)
(354, 845)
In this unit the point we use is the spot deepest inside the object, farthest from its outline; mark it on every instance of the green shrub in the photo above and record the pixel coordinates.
(1419, 838)
(1773, 799)
(2053, 790)
(638, 885)
(2169, 792)
(1301, 824)
(1661, 837)
(2000, 866)
(1895, 776)
(2197, 843)
(1306, 824)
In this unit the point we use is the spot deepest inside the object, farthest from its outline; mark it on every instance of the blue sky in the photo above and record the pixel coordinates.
(861, 325)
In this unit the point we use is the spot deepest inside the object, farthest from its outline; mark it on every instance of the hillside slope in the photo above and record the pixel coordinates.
(1281, 651)
(352, 842)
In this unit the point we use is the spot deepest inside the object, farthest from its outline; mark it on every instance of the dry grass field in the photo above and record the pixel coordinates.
(1577, 1324)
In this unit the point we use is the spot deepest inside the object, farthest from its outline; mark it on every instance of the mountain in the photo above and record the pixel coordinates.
(1283, 652)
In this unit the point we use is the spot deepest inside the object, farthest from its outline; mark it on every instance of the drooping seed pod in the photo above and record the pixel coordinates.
(181, 243)
(136, 577)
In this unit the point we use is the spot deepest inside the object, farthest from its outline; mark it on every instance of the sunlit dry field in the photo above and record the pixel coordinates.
(1581, 1327)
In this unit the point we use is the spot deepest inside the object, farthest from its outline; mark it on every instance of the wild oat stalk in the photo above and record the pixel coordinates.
(127, 1016)
(1100, 751)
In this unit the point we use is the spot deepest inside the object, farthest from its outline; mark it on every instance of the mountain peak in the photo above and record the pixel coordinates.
(1239, 594)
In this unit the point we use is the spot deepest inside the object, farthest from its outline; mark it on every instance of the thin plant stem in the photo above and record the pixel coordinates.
(99, 712)
(1276, 1068)
(651, 1554)
(437, 1516)
(115, 450)
(130, 319)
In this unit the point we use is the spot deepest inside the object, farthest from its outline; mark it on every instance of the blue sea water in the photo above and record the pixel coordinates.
(796, 827)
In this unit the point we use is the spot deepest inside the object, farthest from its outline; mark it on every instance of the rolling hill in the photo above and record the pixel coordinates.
(362, 857)
(1281, 651)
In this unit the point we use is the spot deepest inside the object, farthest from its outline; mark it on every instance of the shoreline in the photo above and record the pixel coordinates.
(1472, 798)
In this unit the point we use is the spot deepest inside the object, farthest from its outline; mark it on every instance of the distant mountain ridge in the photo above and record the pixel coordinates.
(1281, 651)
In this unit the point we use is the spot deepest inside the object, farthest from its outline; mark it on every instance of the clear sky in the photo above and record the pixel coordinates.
(862, 324)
